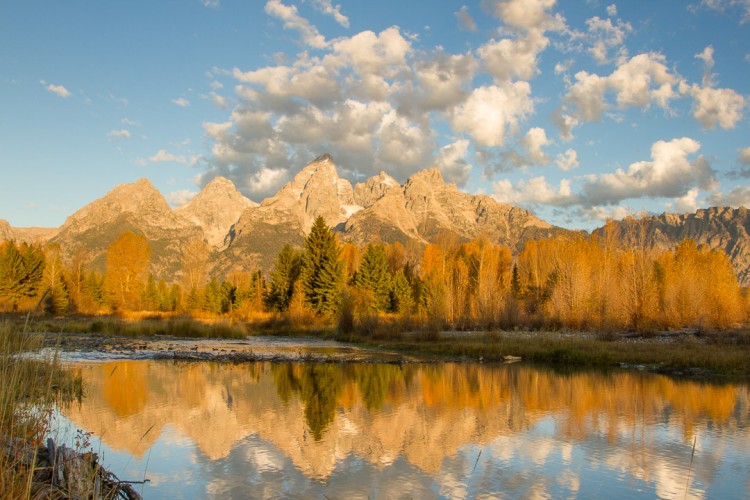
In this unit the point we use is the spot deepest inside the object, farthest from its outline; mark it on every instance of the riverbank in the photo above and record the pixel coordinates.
(689, 352)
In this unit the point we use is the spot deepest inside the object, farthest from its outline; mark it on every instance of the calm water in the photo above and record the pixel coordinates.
(414, 431)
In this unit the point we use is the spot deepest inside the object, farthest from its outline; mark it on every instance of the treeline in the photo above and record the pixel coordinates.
(587, 282)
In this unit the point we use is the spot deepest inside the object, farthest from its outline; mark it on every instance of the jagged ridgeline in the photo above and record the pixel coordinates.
(244, 236)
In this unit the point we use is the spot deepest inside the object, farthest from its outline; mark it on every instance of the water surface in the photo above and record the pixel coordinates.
(275, 430)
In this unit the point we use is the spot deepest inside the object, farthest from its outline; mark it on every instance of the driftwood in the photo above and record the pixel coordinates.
(59, 472)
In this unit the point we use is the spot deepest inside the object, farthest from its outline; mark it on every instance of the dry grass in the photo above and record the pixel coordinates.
(29, 389)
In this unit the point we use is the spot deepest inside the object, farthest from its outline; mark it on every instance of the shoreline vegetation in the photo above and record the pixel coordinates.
(31, 464)
(686, 352)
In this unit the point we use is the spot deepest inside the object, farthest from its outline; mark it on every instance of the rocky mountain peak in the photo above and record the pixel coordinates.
(368, 192)
(215, 209)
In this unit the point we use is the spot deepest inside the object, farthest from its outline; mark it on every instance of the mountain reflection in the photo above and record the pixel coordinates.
(317, 415)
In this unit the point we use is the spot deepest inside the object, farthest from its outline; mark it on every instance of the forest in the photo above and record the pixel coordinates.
(586, 282)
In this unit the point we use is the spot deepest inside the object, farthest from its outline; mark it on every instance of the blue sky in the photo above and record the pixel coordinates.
(577, 110)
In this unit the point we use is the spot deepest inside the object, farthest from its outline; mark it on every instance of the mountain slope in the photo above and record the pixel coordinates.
(215, 209)
(723, 228)
(425, 207)
(136, 207)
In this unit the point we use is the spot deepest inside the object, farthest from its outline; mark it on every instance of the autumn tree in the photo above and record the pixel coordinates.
(128, 258)
(322, 272)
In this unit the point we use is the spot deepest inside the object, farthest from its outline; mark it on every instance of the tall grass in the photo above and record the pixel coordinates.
(29, 388)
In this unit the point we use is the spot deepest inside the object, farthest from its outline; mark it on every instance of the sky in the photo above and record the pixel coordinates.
(577, 110)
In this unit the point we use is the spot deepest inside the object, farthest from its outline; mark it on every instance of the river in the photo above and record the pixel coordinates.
(454, 430)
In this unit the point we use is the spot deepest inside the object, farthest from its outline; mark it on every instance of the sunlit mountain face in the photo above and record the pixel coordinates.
(451, 430)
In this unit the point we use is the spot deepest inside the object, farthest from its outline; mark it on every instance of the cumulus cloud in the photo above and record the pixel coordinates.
(465, 20)
(293, 21)
(334, 11)
(513, 57)
(181, 102)
(567, 160)
(712, 107)
(58, 90)
(118, 134)
(451, 160)
(741, 6)
(533, 192)
(181, 197)
(743, 165)
(639, 82)
(491, 112)
(669, 174)
(527, 15)
(162, 156)
(605, 35)
(219, 101)
(612, 10)
(737, 197)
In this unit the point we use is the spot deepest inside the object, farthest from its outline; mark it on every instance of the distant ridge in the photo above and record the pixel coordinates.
(246, 236)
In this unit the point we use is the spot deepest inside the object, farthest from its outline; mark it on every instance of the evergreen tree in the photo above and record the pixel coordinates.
(150, 300)
(402, 300)
(21, 272)
(57, 301)
(373, 274)
(322, 271)
(285, 273)
(212, 297)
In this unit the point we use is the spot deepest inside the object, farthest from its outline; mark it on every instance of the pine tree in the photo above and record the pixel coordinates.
(322, 271)
(285, 274)
(402, 300)
(21, 272)
(373, 274)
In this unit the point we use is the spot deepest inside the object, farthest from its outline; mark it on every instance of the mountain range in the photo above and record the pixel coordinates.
(245, 236)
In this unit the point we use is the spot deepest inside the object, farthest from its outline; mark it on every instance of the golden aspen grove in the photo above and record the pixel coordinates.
(586, 283)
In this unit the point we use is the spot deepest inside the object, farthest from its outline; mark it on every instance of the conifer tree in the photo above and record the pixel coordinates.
(373, 274)
(322, 271)
(284, 276)
(21, 272)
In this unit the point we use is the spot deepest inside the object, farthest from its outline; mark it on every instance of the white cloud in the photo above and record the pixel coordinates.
(567, 160)
(603, 35)
(535, 139)
(162, 156)
(707, 56)
(58, 90)
(743, 6)
(131, 123)
(214, 4)
(737, 197)
(535, 191)
(743, 160)
(639, 82)
(669, 174)
(686, 203)
(513, 58)
(712, 107)
(528, 15)
(181, 102)
(491, 112)
(293, 21)
(465, 21)
(451, 160)
(181, 197)
(219, 101)
(118, 134)
(334, 11)
(612, 10)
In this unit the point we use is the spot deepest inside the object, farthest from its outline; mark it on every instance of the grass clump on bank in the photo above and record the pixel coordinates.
(715, 353)
(28, 392)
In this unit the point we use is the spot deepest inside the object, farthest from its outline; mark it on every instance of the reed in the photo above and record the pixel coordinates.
(29, 389)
